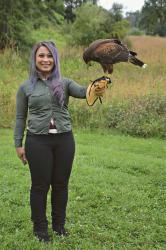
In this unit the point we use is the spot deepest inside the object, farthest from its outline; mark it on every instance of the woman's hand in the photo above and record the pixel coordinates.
(21, 154)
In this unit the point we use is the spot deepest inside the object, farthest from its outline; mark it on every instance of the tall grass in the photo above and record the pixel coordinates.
(145, 89)
(132, 81)
(129, 81)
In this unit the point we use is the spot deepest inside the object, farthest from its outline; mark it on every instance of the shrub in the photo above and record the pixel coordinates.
(88, 25)
(136, 32)
(87, 117)
(143, 116)
(120, 29)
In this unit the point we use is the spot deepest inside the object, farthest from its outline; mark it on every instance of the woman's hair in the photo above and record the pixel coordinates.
(55, 76)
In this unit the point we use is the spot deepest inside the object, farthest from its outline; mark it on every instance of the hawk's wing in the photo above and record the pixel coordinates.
(110, 52)
(104, 41)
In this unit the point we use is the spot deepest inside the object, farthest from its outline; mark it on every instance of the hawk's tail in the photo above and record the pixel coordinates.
(136, 61)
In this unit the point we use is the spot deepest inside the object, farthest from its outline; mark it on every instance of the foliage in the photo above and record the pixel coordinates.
(49, 33)
(145, 116)
(18, 19)
(115, 25)
(71, 5)
(153, 17)
(116, 11)
(14, 25)
(136, 32)
(133, 18)
(120, 29)
(160, 29)
(93, 22)
(54, 8)
(86, 118)
(89, 24)
(123, 107)
(116, 195)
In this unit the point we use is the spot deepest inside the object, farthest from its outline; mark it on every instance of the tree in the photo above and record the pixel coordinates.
(115, 25)
(46, 11)
(71, 5)
(153, 17)
(116, 11)
(15, 22)
(89, 24)
(52, 9)
(133, 18)
(19, 17)
(93, 22)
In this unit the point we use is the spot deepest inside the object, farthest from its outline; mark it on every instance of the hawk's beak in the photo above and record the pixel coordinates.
(109, 80)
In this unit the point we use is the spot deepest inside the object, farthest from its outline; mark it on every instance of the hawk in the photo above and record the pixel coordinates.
(108, 52)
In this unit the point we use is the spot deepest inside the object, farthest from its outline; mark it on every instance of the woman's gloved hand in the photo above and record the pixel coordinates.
(97, 89)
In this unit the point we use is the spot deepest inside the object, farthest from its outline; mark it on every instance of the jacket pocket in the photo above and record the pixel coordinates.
(39, 100)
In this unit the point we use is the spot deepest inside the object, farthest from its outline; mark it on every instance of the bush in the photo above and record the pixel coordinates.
(160, 29)
(136, 32)
(93, 22)
(86, 117)
(120, 29)
(143, 116)
(89, 24)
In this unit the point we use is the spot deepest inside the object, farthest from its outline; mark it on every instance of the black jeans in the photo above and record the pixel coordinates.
(50, 159)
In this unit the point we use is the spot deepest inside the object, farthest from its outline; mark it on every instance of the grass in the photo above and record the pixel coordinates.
(116, 195)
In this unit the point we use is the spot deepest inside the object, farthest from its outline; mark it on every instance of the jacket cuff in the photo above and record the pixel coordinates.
(18, 143)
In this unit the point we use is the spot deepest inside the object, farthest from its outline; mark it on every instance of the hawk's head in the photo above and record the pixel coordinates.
(86, 56)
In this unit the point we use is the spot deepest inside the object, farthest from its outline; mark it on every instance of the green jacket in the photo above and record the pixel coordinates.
(36, 108)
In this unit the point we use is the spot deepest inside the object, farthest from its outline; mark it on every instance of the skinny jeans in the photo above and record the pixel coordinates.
(50, 159)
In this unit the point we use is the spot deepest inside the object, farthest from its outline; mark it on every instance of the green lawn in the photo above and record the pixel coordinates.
(116, 195)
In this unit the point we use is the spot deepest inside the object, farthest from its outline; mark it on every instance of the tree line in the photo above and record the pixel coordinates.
(151, 19)
(83, 20)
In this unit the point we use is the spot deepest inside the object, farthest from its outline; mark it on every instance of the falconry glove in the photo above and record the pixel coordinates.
(97, 89)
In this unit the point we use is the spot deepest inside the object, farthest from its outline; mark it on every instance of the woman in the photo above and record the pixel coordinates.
(42, 102)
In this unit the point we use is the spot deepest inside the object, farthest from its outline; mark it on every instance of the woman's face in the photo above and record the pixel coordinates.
(44, 60)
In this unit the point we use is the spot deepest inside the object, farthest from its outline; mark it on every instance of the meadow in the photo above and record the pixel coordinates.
(117, 187)
(116, 195)
(135, 104)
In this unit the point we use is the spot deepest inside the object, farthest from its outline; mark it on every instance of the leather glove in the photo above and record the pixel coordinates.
(97, 89)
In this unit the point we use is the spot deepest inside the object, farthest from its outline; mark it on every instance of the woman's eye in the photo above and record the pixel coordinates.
(43, 55)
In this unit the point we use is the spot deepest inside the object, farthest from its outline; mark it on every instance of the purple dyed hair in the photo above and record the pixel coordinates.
(55, 75)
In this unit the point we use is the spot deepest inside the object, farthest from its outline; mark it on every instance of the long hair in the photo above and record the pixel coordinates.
(55, 75)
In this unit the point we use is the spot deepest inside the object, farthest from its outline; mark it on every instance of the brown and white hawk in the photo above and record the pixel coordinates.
(108, 52)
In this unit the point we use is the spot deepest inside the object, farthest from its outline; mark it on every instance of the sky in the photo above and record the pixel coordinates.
(128, 5)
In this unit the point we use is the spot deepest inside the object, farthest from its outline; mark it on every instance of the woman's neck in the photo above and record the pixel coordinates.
(44, 76)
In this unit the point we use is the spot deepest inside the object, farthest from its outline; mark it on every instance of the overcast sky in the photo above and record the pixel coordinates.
(128, 5)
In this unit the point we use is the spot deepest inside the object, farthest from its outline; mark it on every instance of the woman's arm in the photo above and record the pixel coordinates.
(21, 116)
(76, 90)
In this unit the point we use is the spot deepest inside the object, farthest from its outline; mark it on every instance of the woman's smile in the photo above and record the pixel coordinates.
(44, 60)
